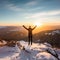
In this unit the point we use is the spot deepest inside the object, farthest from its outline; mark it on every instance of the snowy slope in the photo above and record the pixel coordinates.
(34, 52)
(8, 53)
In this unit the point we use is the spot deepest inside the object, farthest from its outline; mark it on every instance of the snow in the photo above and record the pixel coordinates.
(56, 31)
(3, 42)
(8, 53)
(31, 52)
(53, 32)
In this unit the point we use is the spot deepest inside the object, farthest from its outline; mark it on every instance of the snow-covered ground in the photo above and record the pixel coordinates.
(31, 52)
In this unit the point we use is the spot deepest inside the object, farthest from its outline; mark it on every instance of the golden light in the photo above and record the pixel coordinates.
(37, 24)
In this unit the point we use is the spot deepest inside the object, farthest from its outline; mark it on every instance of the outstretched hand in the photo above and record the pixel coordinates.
(23, 25)
(35, 25)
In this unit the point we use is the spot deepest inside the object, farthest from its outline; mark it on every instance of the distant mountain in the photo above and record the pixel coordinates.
(45, 27)
(12, 32)
(3, 27)
(50, 36)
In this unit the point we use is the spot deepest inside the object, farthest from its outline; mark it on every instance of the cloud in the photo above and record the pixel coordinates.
(54, 12)
(43, 14)
(35, 9)
(13, 7)
(31, 3)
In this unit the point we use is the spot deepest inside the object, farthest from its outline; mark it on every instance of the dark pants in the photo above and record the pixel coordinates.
(30, 40)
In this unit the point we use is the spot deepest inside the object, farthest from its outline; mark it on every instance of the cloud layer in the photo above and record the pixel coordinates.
(44, 14)
(29, 10)
(13, 7)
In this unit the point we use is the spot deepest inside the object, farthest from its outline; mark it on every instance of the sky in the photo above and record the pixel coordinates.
(19, 12)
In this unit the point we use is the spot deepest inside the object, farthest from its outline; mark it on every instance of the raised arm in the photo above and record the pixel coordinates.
(25, 27)
(34, 28)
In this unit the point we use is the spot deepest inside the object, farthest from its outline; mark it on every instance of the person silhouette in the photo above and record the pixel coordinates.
(29, 34)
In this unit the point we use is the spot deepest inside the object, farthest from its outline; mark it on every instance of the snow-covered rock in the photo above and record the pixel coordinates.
(31, 52)
(47, 44)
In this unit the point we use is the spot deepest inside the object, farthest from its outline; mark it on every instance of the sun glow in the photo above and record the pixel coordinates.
(37, 24)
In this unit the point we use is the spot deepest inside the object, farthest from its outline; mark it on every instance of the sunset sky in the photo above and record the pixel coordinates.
(16, 12)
